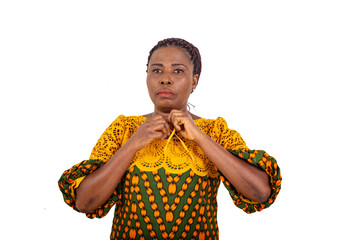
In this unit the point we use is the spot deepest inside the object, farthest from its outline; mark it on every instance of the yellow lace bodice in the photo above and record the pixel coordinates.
(175, 154)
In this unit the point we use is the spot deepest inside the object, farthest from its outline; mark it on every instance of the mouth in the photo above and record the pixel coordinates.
(165, 93)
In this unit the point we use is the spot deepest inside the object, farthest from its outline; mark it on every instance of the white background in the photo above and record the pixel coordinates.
(282, 73)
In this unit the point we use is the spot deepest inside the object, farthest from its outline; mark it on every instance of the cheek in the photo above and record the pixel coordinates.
(187, 84)
(148, 81)
(150, 88)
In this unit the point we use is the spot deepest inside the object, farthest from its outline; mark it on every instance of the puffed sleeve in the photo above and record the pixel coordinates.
(233, 142)
(107, 145)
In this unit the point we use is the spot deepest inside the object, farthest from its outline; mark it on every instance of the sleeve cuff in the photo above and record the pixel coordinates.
(72, 178)
(265, 162)
(75, 185)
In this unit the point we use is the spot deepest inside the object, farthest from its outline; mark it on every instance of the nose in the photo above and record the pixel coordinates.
(166, 80)
(163, 82)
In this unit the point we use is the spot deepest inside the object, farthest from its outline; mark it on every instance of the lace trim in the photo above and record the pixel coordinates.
(176, 155)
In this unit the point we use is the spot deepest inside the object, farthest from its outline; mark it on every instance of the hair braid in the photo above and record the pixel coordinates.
(190, 48)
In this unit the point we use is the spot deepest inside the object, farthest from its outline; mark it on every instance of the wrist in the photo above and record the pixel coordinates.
(200, 137)
(131, 146)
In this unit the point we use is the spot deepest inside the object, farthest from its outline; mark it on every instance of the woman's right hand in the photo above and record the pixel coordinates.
(152, 128)
(97, 187)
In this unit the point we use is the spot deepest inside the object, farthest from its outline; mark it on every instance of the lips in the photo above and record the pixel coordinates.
(165, 93)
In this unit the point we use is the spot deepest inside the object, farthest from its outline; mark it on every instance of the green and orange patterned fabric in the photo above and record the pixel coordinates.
(169, 191)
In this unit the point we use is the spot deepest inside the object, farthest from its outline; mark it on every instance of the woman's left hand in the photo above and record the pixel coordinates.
(247, 179)
(184, 124)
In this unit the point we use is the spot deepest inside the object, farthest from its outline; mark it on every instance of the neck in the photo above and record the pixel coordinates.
(165, 113)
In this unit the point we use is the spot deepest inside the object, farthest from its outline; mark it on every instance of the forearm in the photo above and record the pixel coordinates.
(246, 178)
(97, 187)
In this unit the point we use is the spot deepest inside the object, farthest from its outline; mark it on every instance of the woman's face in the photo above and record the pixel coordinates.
(170, 78)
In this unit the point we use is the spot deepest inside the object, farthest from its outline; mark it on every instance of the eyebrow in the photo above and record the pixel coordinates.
(179, 64)
(174, 64)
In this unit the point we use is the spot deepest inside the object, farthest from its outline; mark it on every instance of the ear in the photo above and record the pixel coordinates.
(195, 81)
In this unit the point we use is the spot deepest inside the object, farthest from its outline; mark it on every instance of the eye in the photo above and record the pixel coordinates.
(156, 70)
(178, 71)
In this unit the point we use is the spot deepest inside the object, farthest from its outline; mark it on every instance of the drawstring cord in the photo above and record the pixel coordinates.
(183, 144)
(189, 153)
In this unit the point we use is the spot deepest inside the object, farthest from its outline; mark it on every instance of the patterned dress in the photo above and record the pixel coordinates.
(169, 190)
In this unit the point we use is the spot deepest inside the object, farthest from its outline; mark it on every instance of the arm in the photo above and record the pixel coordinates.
(247, 179)
(98, 186)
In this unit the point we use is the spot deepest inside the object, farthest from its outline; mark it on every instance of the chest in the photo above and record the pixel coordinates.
(176, 156)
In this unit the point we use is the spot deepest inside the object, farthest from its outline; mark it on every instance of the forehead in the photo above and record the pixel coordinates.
(171, 54)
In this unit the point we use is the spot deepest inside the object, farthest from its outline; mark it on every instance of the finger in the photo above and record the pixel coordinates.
(163, 127)
(172, 118)
(179, 119)
(166, 127)
(177, 122)
(173, 115)
(156, 118)
(158, 134)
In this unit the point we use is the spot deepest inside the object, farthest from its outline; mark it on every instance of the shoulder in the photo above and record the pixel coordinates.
(123, 120)
(218, 130)
(219, 121)
(212, 126)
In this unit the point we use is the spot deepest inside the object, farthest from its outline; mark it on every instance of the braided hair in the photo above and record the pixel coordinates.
(190, 49)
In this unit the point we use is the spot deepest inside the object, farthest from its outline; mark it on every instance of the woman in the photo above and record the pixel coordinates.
(163, 169)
